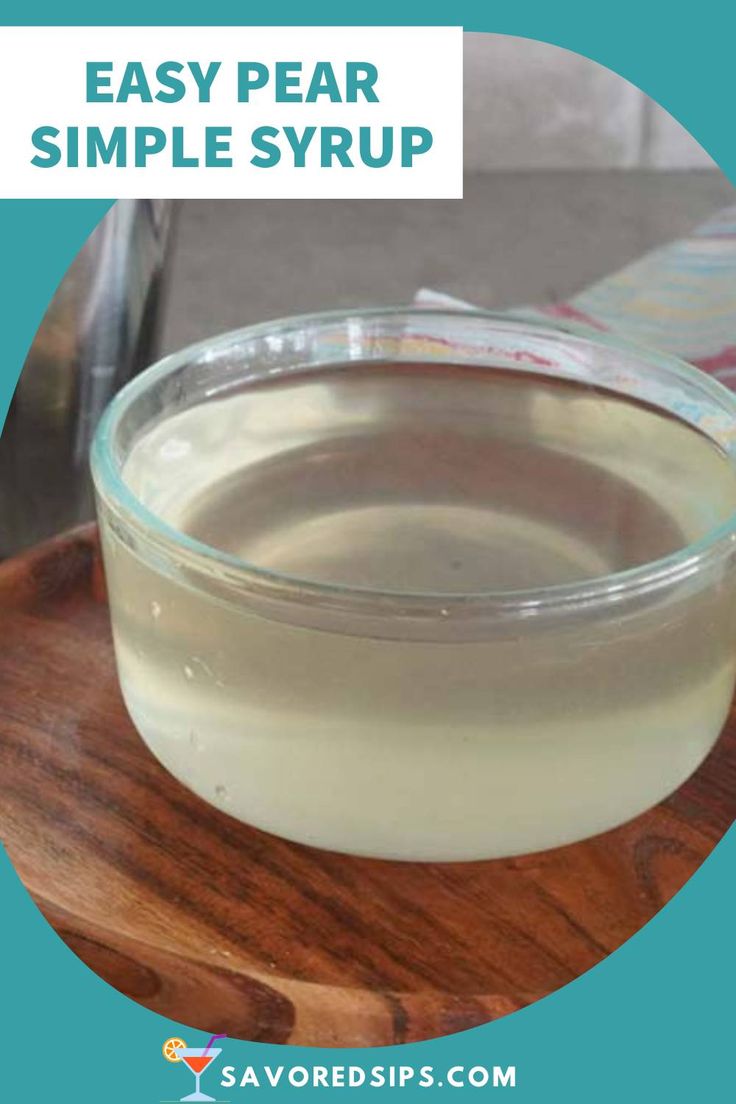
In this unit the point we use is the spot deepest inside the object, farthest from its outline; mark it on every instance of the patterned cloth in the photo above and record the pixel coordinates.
(679, 299)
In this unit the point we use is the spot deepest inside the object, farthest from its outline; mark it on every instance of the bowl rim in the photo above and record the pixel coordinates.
(238, 574)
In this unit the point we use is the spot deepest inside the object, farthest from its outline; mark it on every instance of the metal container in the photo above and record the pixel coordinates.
(100, 329)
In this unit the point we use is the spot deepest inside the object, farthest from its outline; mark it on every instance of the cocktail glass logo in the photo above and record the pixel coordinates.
(197, 1059)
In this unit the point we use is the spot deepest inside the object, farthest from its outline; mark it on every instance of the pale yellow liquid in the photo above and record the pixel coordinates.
(464, 740)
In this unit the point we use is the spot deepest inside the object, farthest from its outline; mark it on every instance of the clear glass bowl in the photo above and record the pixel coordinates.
(422, 584)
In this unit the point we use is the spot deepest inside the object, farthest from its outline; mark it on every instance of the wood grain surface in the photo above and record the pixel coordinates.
(225, 928)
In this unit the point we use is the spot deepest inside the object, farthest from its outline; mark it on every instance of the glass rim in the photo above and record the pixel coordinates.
(240, 573)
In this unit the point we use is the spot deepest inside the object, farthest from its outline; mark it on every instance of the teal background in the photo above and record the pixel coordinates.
(653, 1021)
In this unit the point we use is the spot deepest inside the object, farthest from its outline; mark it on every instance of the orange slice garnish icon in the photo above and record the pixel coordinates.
(170, 1048)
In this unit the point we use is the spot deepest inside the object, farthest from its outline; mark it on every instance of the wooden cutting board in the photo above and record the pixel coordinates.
(225, 928)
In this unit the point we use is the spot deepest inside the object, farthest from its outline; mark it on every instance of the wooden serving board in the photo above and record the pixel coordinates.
(225, 928)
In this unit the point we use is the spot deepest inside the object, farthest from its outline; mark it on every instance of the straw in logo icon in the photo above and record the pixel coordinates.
(197, 1059)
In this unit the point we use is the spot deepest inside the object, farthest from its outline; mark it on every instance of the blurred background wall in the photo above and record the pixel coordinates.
(529, 105)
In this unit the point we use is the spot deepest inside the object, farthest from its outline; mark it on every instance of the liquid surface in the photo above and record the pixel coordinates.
(443, 479)
(427, 479)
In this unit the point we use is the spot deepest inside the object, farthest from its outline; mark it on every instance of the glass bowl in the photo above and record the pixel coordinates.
(420, 584)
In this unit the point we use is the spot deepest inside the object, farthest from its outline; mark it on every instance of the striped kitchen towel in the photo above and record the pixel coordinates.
(679, 299)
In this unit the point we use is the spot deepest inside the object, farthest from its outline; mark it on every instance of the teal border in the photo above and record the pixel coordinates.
(653, 1021)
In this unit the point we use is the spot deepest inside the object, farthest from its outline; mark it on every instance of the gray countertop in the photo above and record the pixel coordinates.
(514, 238)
